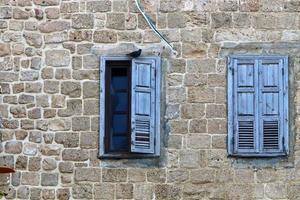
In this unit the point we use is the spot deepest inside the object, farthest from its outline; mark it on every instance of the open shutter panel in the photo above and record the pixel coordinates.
(245, 80)
(271, 105)
(143, 106)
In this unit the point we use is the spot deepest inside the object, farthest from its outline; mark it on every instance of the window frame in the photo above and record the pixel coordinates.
(102, 73)
(230, 106)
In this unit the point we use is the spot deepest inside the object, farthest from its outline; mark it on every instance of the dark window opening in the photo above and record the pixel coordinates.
(118, 93)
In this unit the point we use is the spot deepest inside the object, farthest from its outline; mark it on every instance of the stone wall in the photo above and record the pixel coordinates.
(49, 78)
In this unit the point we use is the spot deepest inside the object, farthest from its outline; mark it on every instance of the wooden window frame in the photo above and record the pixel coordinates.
(231, 135)
(103, 154)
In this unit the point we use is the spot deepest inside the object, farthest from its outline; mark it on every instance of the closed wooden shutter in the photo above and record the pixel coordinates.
(258, 105)
(143, 109)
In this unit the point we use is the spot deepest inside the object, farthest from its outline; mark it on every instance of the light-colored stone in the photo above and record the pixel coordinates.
(57, 58)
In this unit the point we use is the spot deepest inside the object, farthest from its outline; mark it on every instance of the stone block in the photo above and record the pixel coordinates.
(21, 162)
(18, 111)
(194, 50)
(105, 36)
(104, 191)
(58, 101)
(80, 35)
(156, 175)
(81, 124)
(176, 95)
(33, 39)
(52, 13)
(6, 12)
(66, 167)
(82, 191)
(30, 178)
(177, 176)
(201, 94)
(47, 73)
(20, 13)
(63, 194)
(30, 149)
(8, 76)
(196, 141)
(99, 6)
(50, 150)
(74, 107)
(91, 62)
(177, 20)
(87, 174)
(35, 136)
(57, 58)
(49, 164)
(249, 5)
(34, 164)
(82, 21)
(216, 111)
(75, 155)
(114, 175)
(136, 175)
(89, 140)
(276, 190)
(4, 49)
(169, 5)
(90, 89)
(178, 126)
(54, 26)
(124, 191)
(72, 89)
(91, 107)
(49, 179)
(48, 194)
(189, 159)
(69, 140)
(33, 87)
(175, 142)
(34, 113)
(115, 21)
(191, 111)
(198, 126)
(35, 193)
(23, 192)
(59, 125)
(29, 75)
(13, 147)
(69, 7)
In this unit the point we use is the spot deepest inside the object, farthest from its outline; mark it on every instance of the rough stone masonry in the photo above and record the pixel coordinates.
(49, 78)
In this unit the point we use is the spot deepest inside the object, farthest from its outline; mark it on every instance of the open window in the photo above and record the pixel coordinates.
(129, 107)
(258, 124)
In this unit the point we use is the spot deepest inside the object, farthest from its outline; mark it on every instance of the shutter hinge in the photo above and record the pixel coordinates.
(228, 60)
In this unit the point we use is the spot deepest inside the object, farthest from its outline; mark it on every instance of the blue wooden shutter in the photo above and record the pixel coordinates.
(258, 105)
(271, 104)
(245, 105)
(143, 109)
